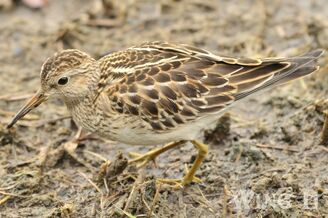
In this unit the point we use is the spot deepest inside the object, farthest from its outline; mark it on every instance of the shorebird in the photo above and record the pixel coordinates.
(159, 93)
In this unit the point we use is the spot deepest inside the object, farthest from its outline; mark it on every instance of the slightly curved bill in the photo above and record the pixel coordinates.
(35, 101)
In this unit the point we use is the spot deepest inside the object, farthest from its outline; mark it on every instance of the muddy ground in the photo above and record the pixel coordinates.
(266, 158)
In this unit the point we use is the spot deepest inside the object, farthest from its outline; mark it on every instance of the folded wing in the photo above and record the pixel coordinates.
(168, 85)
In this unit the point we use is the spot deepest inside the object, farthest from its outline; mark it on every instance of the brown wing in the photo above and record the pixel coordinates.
(174, 84)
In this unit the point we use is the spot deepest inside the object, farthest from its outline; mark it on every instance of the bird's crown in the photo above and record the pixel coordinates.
(63, 61)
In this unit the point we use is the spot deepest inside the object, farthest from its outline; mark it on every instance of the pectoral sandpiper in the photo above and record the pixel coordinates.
(158, 93)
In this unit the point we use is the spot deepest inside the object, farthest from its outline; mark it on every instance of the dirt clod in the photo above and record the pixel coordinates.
(110, 170)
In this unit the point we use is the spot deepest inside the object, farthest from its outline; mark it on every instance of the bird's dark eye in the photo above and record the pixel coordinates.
(63, 81)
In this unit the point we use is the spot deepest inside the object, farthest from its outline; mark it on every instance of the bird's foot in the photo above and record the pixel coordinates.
(179, 183)
(151, 155)
(143, 158)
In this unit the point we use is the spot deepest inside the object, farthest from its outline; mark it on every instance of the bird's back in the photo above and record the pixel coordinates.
(169, 86)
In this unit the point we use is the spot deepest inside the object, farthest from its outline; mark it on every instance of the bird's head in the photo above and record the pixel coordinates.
(67, 75)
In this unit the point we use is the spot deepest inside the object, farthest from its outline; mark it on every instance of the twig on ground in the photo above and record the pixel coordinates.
(289, 148)
(4, 200)
(13, 195)
(205, 201)
(104, 23)
(324, 148)
(26, 117)
(129, 215)
(97, 156)
(15, 96)
(155, 199)
(35, 122)
(226, 197)
(136, 185)
(92, 183)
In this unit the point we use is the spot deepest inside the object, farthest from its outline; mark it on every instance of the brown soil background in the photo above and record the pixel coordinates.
(268, 145)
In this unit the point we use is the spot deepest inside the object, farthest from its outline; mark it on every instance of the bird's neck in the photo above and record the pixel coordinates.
(83, 111)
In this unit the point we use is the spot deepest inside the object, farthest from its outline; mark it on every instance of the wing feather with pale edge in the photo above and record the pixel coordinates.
(168, 85)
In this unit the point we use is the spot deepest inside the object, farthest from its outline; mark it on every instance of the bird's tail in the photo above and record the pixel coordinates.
(297, 67)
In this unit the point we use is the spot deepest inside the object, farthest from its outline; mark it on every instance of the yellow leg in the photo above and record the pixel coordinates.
(190, 175)
(151, 155)
(202, 152)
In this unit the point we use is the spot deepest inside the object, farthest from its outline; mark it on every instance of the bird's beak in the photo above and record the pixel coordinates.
(35, 101)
